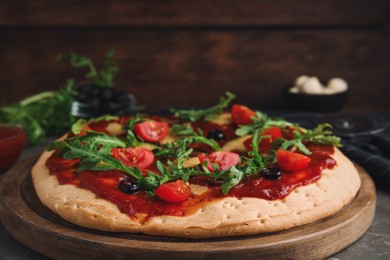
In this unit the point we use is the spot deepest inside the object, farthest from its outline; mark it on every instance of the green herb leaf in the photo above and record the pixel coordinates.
(131, 138)
(47, 113)
(178, 129)
(106, 75)
(261, 121)
(181, 146)
(322, 135)
(204, 114)
(257, 160)
(234, 177)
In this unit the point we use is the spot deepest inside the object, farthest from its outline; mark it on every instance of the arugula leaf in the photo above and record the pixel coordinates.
(172, 149)
(204, 114)
(150, 182)
(320, 135)
(178, 129)
(131, 137)
(261, 121)
(296, 142)
(106, 75)
(234, 177)
(256, 161)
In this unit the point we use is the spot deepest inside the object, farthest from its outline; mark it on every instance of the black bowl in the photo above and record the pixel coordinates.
(87, 110)
(314, 103)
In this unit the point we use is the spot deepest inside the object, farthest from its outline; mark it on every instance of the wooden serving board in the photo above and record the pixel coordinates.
(28, 221)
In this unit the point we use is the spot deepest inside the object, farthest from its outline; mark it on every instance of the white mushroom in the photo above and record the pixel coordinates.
(328, 91)
(337, 85)
(294, 90)
(312, 86)
(300, 81)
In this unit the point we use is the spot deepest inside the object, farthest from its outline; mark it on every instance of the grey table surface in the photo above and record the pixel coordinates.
(374, 244)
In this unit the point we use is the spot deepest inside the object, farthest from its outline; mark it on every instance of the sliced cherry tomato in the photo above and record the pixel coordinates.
(174, 192)
(134, 156)
(274, 133)
(84, 129)
(152, 131)
(224, 160)
(269, 135)
(242, 115)
(291, 161)
(59, 163)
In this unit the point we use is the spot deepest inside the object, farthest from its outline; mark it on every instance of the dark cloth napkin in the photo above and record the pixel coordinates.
(377, 166)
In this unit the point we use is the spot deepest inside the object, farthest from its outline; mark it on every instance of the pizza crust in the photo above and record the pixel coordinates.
(227, 217)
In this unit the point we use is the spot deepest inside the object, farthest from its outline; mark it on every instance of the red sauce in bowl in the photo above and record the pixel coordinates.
(12, 141)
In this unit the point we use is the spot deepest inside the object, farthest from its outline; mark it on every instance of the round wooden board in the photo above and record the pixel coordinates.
(28, 221)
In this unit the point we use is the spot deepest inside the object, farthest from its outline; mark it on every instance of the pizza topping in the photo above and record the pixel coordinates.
(272, 173)
(57, 163)
(242, 115)
(129, 186)
(219, 160)
(134, 156)
(221, 132)
(271, 134)
(204, 114)
(216, 135)
(174, 192)
(291, 161)
(152, 131)
(268, 136)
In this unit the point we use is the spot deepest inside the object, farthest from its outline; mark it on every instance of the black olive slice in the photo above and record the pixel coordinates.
(216, 135)
(272, 173)
(128, 186)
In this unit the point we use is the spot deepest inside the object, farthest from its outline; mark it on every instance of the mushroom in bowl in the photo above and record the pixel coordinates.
(309, 94)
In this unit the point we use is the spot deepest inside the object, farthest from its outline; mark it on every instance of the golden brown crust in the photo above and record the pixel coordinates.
(227, 217)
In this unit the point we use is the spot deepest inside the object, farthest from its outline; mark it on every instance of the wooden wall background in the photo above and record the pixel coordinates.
(188, 53)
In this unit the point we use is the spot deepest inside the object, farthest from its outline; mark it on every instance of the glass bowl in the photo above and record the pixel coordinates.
(12, 141)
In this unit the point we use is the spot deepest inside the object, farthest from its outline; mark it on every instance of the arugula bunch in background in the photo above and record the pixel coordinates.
(98, 78)
(48, 112)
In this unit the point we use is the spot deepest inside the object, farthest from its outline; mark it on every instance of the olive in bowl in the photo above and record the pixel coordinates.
(91, 101)
(309, 94)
